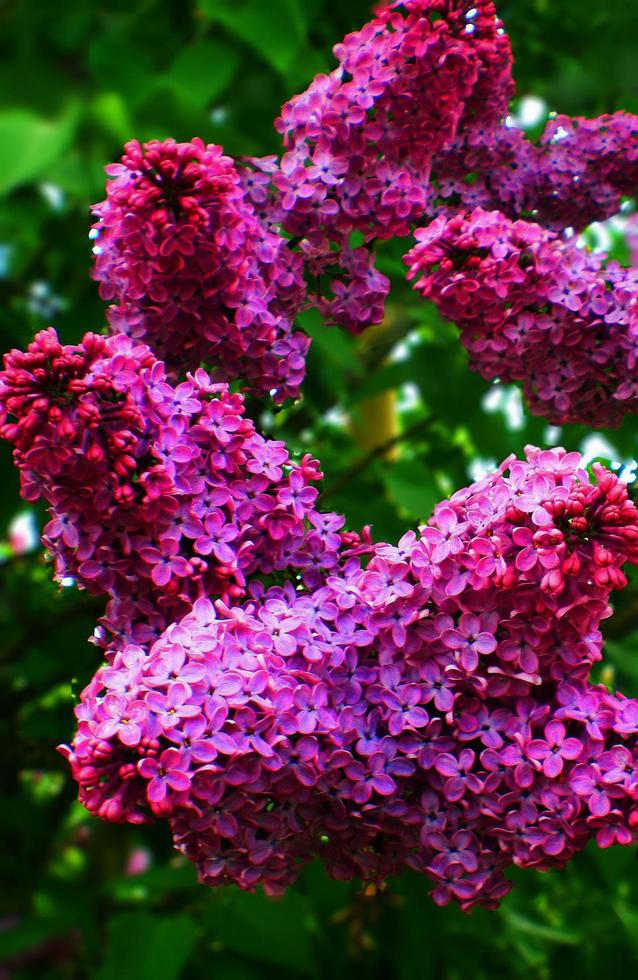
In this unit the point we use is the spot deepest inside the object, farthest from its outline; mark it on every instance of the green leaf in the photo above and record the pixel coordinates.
(335, 344)
(275, 31)
(356, 239)
(147, 947)
(541, 931)
(29, 144)
(628, 915)
(154, 884)
(412, 487)
(110, 111)
(125, 66)
(275, 930)
(201, 71)
(389, 375)
(27, 935)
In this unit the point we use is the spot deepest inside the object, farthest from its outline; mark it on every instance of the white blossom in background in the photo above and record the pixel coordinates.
(552, 435)
(531, 111)
(481, 467)
(409, 397)
(508, 400)
(23, 533)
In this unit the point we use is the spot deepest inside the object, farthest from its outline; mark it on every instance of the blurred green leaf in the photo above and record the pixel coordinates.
(29, 144)
(539, 930)
(413, 488)
(117, 62)
(275, 31)
(335, 345)
(628, 915)
(110, 111)
(25, 935)
(388, 376)
(202, 71)
(146, 947)
(248, 923)
(154, 884)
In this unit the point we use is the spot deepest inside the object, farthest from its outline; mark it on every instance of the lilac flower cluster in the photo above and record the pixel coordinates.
(267, 691)
(376, 168)
(158, 494)
(431, 709)
(535, 308)
(411, 124)
(359, 142)
(194, 272)
(193, 256)
(577, 173)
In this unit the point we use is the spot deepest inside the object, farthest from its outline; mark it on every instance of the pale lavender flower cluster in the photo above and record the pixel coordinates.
(430, 710)
(535, 308)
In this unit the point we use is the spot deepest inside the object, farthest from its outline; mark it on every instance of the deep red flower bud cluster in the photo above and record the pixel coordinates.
(431, 710)
(536, 308)
(158, 493)
(194, 272)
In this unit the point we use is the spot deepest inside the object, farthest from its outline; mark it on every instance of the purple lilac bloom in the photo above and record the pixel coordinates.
(301, 723)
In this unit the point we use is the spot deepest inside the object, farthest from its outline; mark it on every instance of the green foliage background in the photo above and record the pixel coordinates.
(77, 79)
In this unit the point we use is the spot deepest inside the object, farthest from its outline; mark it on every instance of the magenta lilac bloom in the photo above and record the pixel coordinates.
(535, 308)
(193, 271)
(277, 688)
(209, 261)
(447, 724)
(158, 493)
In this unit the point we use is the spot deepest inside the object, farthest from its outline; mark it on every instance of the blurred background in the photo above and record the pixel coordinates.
(398, 423)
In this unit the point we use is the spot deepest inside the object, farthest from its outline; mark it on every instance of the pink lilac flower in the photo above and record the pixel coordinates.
(150, 530)
(192, 270)
(299, 724)
(359, 142)
(535, 308)
(268, 692)
(205, 259)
